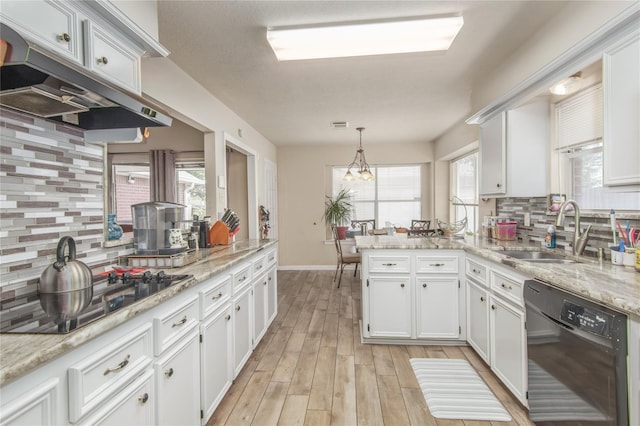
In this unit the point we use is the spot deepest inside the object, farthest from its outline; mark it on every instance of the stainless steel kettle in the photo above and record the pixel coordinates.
(66, 286)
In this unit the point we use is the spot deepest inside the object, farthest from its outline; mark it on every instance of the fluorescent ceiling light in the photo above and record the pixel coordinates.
(364, 38)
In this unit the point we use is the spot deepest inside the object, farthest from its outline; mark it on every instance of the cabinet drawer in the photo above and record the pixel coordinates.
(272, 257)
(214, 295)
(507, 287)
(241, 277)
(476, 271)
(100, 377)
(111, 58)
(259, 265)
(436, 264)
(393, 264)
(172, 325)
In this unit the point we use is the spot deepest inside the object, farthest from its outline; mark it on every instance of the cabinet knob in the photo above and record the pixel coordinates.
(482, 298)
(143, 398)
(238, 308)
(120, 366)
(179, 323)
(402, 285)
(269, 278)
(493, 307)
(168, 372)
(103, 60)
(475, 271)
(498, 185)
(228, 317)
(64, 37)
(264, 283)
(424, 285)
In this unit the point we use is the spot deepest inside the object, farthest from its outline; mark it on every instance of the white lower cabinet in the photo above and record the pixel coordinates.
(389, 307)
(133, 406)
(177, 383)
(242, 329)
(36, 407)
(478, 319)
(272, 294)
(437, 310)
(260, 294)
(216, 356)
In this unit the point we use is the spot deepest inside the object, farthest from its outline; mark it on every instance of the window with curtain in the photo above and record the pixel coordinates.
(579, 139)
(394, 196)
(464, 190)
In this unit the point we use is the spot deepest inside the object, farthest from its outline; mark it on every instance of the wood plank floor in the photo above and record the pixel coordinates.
(311, 369)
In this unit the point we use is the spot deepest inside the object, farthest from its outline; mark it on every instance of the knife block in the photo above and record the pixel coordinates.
(219, 234)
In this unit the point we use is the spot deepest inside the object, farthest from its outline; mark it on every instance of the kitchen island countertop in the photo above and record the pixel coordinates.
(617, 287)
(21, 353)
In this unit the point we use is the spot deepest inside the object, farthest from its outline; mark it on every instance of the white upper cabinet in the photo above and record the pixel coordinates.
(621, 83)
(53, 25)
(514, 151)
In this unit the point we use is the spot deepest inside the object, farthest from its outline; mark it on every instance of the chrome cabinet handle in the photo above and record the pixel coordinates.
(388, 264)
(238, 308)
(228, 317)
(508, 287)
(64, 37)
(168, 372)
(436, 264)
(217, 296)
(259, 267)
(179, 323)
(103, 60)
(493, 307)
(120, 366)
(143, 398)
(475, 271)
(424, 285)
(242, 279)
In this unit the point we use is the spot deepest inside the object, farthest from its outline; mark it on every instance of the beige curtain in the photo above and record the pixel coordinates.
(162, 170)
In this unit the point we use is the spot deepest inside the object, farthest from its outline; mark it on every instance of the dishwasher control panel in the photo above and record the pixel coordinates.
(586, 319)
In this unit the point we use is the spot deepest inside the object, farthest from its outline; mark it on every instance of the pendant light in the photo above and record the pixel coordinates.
(360, 162)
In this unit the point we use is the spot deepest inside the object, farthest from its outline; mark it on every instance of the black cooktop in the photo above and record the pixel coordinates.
(110, 293)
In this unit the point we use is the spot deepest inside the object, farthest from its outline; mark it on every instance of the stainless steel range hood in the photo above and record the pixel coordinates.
(36, 82)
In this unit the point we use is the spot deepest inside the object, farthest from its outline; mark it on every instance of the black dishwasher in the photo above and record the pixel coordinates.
(577, 359)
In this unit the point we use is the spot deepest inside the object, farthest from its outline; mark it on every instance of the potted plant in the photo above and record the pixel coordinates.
(338, 211)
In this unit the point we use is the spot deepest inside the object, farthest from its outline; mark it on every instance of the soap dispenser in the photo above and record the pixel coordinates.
(550, 237)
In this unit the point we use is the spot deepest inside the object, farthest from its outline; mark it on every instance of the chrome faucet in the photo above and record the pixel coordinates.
(579, 238)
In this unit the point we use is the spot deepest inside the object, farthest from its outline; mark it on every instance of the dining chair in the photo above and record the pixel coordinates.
(357, 224)
(343, 259)
(420, 227)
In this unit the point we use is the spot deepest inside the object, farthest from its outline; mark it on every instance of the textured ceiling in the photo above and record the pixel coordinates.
(411, 97)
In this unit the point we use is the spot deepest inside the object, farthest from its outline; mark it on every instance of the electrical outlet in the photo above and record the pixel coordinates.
(527, 219)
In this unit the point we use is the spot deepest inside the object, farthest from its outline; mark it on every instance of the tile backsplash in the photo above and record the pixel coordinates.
(51, 185)
(599, 236)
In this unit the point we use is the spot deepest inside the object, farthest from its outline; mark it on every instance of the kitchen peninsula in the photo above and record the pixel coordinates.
(453, 291)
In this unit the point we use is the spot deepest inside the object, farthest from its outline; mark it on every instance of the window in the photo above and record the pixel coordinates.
(579, 138)
(464, 190)
(394, 196)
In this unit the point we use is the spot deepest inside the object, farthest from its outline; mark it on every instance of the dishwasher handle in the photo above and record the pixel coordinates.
(560, 323)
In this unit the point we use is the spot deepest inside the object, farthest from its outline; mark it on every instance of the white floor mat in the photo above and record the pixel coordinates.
(557, 401)
(453, 390)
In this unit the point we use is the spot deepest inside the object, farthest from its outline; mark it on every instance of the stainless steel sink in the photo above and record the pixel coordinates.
(538, 256)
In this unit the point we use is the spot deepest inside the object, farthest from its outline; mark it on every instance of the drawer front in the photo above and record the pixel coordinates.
(272, 257)
(214, 295)
(476, 271)
(507, 287)
(394, 264)
(259, 265)
(100, 377)
(241, 277)
(111, 58)
(437, 264)
(171, 326)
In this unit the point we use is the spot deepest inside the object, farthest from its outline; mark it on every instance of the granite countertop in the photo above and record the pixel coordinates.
(617, 287)
(21, 353)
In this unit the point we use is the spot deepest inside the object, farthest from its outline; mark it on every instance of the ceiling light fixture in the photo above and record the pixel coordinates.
(360, 162)
(568, 85)
(420, 34)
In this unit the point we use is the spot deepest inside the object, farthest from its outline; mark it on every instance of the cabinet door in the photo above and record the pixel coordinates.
(133, 406)
(177, 380)
(242, 330)
(259, 308)
(478, 319)
(37, 407)
(493, 155)
(621, 112)
(508, 346)
(272, 294)
(389, 310)
(437, 310)
(52, 25)
(216, 360)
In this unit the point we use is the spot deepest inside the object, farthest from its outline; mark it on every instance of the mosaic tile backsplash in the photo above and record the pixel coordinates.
(51, 185)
